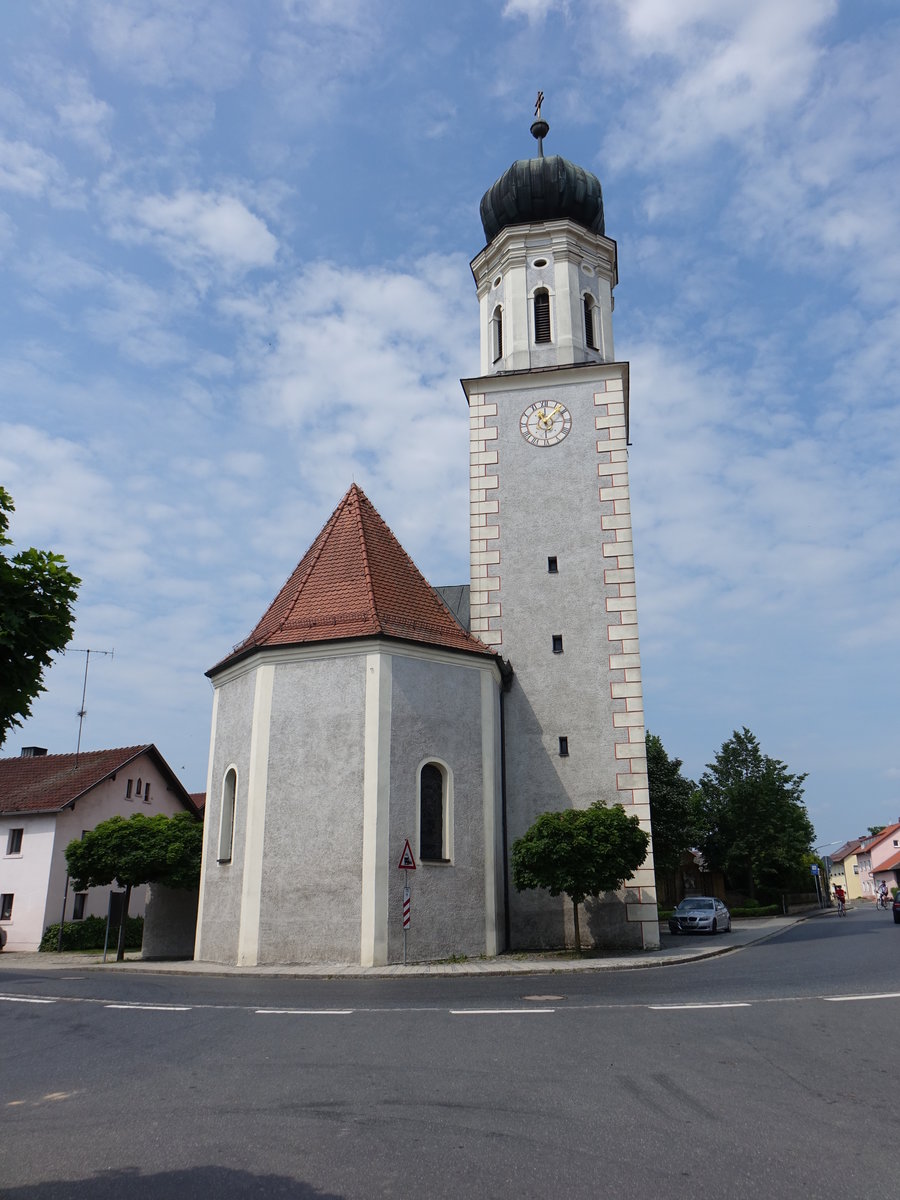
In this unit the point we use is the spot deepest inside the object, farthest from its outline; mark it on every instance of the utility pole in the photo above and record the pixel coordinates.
(82, 712)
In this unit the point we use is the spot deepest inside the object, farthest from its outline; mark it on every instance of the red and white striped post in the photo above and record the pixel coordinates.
(406, 864)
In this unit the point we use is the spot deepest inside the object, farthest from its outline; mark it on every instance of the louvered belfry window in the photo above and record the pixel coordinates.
(542, 315)
(589, 339)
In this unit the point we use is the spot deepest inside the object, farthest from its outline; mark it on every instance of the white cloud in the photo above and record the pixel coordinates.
(28, 170)
(167, 42)
(197, 227)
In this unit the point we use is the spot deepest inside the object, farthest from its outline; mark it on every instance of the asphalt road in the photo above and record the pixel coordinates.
(767, 1072)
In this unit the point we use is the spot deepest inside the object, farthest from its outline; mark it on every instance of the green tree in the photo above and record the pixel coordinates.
(671, 806)
(37, 592)
(751, 817)
(876, 829)
(581, 852)
(135, 851)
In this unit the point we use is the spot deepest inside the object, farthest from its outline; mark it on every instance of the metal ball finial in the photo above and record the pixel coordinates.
(539, 127)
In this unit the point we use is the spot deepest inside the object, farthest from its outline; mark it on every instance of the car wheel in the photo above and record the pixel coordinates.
(728, 928)
(715, 928)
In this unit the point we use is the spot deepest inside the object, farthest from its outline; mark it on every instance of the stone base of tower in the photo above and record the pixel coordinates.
(617, 921)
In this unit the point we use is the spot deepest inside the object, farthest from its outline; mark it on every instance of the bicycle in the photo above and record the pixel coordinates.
(882, 901)
(842, 908)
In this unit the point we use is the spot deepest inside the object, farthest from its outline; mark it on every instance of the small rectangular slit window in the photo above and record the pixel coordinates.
(14, 841)
(552, 565)
(563, 747)
(557, 643)
(128, 787)
(6, 903)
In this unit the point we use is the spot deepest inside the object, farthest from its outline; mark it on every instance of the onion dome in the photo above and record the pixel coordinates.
(542, 189)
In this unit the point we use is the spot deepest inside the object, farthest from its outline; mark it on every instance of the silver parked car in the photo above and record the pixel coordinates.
(696, 914)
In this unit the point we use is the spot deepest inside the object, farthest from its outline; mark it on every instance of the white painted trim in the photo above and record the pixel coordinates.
(373, 943)
(489, 809)
(349, 647)
(257, 783)
(207, 832)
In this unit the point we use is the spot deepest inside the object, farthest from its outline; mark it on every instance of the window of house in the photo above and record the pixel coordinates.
(590, 339)
(563, 747)
(78, 906)
(6, 903)
(542, 315)
(137, 790)
(147, 793)
(128, 788)
(14, 841)
(433, 839)
(552, 565)
(497, 332)
(226, 820)
(557, 643)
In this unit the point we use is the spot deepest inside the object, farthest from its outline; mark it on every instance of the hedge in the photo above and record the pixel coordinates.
(90, 933)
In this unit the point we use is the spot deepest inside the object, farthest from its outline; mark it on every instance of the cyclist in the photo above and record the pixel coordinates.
(841, 897)
(882, 895)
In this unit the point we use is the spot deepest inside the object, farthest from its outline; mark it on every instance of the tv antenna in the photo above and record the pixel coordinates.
(82, 712)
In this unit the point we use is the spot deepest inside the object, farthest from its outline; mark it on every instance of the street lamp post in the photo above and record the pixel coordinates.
(825, 891)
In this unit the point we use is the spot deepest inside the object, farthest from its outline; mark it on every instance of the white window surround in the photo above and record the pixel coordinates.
(227, 814)
(447, 796)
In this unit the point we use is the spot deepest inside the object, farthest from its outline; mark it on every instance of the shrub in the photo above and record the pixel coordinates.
(756, 910)
(89, 934)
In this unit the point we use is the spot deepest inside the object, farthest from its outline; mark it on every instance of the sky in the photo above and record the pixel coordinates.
(235, 242)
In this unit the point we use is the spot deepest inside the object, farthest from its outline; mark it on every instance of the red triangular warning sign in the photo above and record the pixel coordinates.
(407, 862)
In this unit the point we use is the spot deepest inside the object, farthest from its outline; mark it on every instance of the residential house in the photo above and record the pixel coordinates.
(844, 870)
(873, 853)
(48, 800)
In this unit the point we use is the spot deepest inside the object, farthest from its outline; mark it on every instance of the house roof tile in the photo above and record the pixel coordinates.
(356, 581)
(51, 782)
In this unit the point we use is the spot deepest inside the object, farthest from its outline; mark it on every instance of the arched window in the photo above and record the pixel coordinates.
(432, 817)
(590, 339)
(226, 819)
(542, 315)
(497, 332)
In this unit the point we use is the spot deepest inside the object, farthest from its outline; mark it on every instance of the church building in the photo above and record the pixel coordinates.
(370, 718)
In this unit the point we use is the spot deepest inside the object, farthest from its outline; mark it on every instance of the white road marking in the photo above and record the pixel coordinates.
(152, 1007)
(496, 1012)
(871, 996)
(303, 1012)
(682, 1007)
(25, 1000)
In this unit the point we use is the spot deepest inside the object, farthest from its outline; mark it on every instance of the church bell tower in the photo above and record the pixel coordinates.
(552, 561)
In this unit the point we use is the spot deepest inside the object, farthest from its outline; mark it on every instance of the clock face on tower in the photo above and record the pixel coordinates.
(545, 424)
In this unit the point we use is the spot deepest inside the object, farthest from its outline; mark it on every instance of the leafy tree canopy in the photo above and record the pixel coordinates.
(876, 829)
(671, 806)
(37, 593)
(137, 850)
(579, 852)
(751, 817)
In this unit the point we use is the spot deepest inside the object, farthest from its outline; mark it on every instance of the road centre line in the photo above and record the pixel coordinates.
(683, 1007)
(152, 1007)
(25, 1000)
(303, 1012)
(496, 1012)
(871, 996)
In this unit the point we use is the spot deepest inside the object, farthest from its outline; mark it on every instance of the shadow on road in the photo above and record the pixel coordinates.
(195, 1183)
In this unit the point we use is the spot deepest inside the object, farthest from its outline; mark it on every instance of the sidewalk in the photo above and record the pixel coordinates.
(673, 950)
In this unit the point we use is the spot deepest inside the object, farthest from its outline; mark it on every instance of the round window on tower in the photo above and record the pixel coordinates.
(587, 268)
(497, 281)
(539, 262)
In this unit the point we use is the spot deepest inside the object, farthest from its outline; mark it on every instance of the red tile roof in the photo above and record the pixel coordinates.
(873, 839)
(355, 581)
(889, 863)
(50, 782)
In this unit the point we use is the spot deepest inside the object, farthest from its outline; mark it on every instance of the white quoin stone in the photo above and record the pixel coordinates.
(571, 263)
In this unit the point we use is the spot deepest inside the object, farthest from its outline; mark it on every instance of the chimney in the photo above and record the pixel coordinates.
(33, 751)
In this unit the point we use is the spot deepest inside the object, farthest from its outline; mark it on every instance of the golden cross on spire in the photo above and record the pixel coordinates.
(538, 103)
